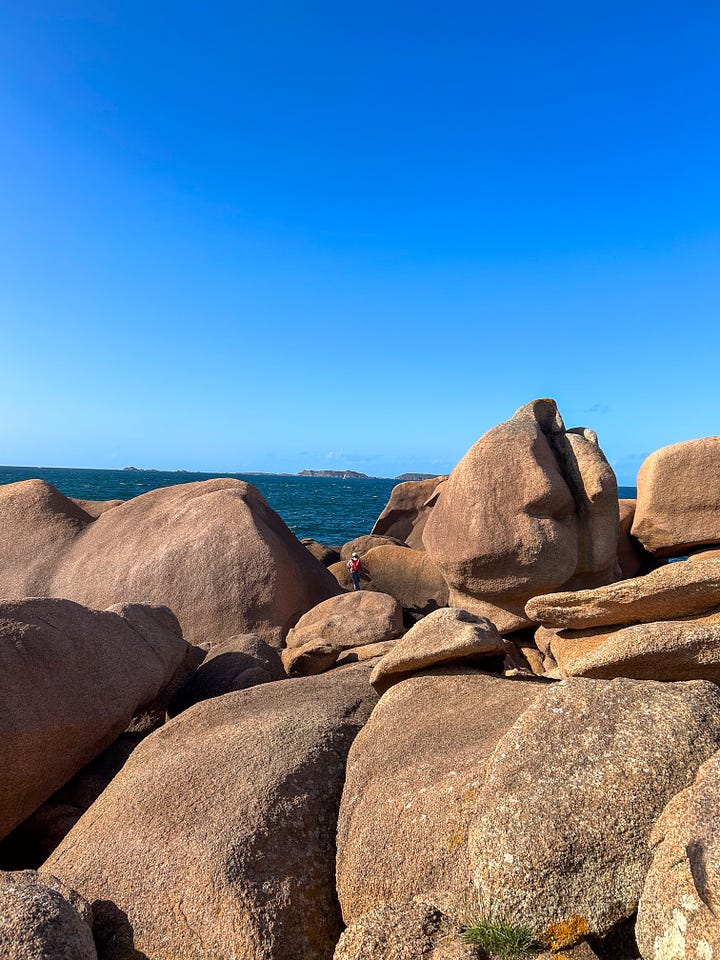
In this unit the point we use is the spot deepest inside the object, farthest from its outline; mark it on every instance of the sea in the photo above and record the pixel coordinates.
(327, 509)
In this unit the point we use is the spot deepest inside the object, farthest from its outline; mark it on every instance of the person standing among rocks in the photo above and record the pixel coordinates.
(353, 566)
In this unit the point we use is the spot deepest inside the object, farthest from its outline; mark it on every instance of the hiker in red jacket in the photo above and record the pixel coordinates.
(353, 566)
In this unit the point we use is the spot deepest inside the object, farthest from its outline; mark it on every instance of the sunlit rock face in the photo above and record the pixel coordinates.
(531, 508)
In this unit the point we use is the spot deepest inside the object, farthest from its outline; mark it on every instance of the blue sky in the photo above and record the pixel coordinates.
(269, 236)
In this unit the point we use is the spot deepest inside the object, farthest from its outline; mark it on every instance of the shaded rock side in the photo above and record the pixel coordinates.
(410, 576)
(444, 636)
(414, 778)
(529, 508)
(403, 931)
(672, 591)
(217, 838)
(30, 844)
(71, 679)
(572, 793)
(668, 650)
(408, 509)
(233, 664)
(326, 555)
(93, 508)
(214, 552)
(678, 491)
(679, 913)
(41, 919)
(350, 620)
(633, 559)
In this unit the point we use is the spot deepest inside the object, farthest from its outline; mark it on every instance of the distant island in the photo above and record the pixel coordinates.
(152, 470)
(340, 474)
(417, 476)
(354, 475)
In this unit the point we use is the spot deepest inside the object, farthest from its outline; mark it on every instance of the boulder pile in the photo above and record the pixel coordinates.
(216, 748)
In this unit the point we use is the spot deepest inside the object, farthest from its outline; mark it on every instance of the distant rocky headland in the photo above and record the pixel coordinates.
(339, 474)
(214, 747)
(354, 475)
(404, 477)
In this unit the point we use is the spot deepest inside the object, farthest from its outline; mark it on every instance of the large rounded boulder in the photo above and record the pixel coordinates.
(414, 776)
(217, 838)
(678, 492)
(571, 796)
(532, 507)
(214, 552)
(71, 679)
(351, 620)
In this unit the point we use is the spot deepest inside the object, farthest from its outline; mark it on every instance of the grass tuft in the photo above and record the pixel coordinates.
(501, 939)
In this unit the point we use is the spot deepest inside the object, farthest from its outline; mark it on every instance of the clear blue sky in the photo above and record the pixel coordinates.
(268, 236)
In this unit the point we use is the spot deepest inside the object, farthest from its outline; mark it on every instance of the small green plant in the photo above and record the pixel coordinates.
(496, 936)
(501, 939)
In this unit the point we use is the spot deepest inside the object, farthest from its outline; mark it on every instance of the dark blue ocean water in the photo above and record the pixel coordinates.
(329, 510)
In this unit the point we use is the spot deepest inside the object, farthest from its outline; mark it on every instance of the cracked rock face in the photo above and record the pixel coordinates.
(531, 508)
(680, 902)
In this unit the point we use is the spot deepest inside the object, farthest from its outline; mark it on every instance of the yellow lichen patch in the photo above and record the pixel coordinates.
(455, 840)
(565, 933)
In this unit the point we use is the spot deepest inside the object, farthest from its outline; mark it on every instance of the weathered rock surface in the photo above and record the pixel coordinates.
(414, 776)
(41, 919)
(313, 657)
(350, 620)
(678, 491)
(410, 576)
(326, 555)
(403, 931)
(233, 664)
(530, 508)
(362, 545)
(573, 791)
(672, 591)
(214, 552)
(408, 509)
(71, 679)
(444, 636)
(668, 650)
(678, 913)
(217, 838)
